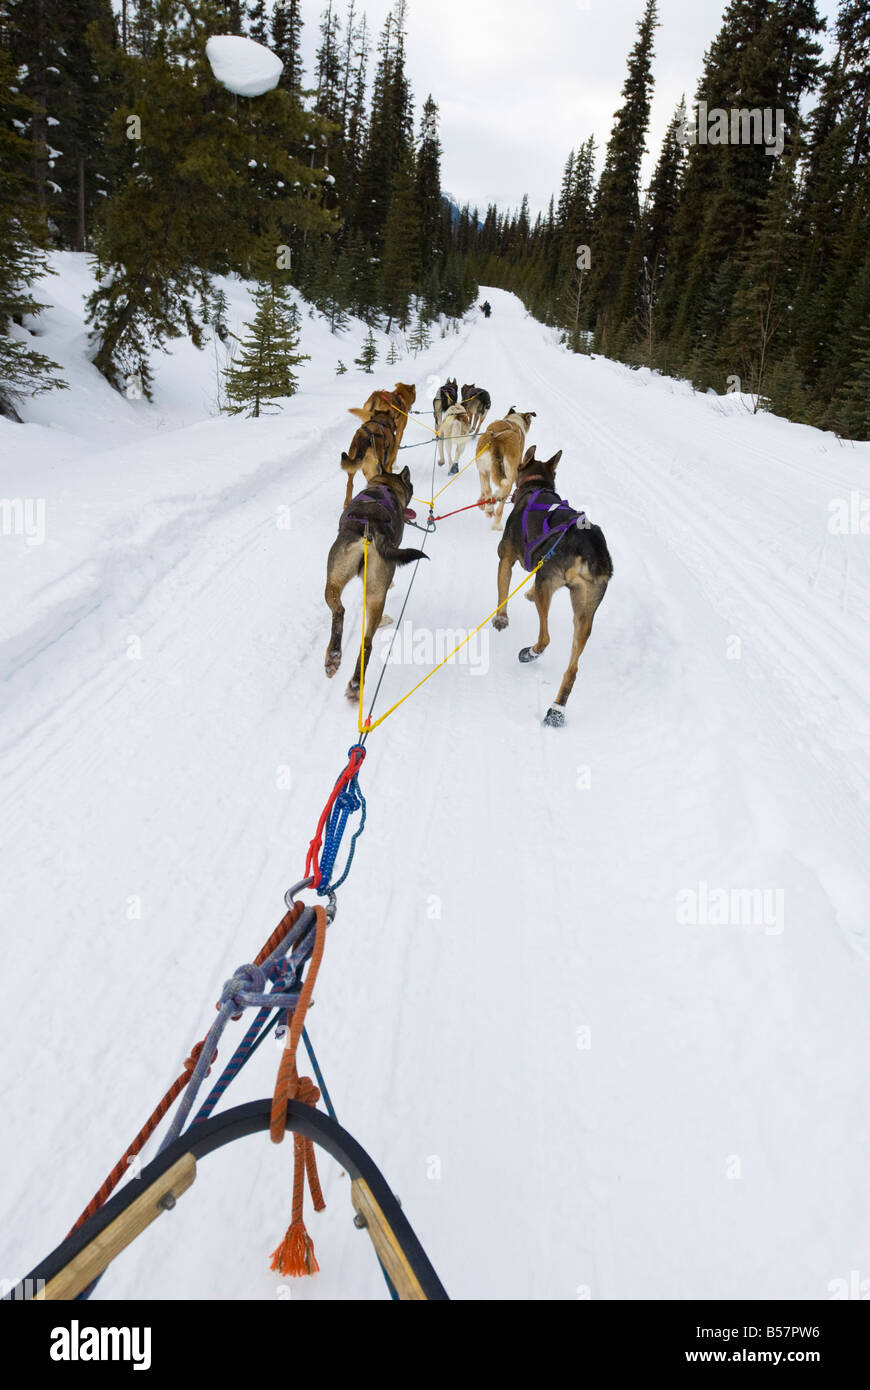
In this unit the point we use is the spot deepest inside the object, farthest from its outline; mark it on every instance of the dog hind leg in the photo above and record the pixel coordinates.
(379, 579)
(542, 595)
(585, 598)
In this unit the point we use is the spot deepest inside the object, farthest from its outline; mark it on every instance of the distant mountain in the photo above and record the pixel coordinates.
(455, 207)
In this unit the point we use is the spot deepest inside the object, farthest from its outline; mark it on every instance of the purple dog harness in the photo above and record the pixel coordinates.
(557, 518)
(384, 497)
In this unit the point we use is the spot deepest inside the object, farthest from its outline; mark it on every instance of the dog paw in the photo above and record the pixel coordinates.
(333, 661)
(386, 621)
(454, 469)
(555, 718)
(352, 691)
(529, 654)
(500, 621)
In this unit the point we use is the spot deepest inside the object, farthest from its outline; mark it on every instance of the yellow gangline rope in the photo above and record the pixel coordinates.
(369, 726)
(362, 650)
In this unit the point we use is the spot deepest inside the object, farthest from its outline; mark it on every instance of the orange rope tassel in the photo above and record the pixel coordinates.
(295, 1255)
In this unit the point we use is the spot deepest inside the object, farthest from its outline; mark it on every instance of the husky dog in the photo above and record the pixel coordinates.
(372, 449)
(377, 441)
(498, 459)
(455, 429)
(379, 512)
(478, 404)
(448, 395)
(542, 526)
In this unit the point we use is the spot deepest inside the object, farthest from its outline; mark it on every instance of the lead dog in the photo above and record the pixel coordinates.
(498, 460)
(454, 432)
(542, 526)
(379, 512)
(448, 395)
(478, 403)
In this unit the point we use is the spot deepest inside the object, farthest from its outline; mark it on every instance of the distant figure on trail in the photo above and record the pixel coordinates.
(487, 308)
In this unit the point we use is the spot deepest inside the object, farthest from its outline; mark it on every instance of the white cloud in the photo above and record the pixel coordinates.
(519, 82)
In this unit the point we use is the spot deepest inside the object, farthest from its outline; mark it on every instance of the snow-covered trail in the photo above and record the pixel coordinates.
(569, 1089)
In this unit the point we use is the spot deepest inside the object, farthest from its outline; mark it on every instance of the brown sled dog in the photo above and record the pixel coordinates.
(579, 561)
(379, 510)
(498, 459)
(377, 441)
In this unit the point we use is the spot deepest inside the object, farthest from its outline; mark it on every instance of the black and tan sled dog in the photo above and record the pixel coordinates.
(378, 510)
(541, 522)
(379, 437)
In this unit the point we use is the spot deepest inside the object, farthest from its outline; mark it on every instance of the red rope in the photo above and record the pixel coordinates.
(481, 502)
(312, 862)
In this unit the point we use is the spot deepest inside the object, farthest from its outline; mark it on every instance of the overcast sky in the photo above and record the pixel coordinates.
(519, 82)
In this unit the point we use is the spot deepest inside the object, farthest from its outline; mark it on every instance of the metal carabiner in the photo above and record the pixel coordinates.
(290, 898)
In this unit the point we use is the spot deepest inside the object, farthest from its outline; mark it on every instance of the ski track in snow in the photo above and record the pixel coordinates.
(530, 1164)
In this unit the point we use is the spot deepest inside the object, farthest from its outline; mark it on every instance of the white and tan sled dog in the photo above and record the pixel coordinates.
(499, 454)
(453, 434)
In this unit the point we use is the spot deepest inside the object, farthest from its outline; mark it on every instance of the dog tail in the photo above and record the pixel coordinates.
(360, 412)
(396, 556)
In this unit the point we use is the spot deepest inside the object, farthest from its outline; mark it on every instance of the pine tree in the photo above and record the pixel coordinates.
(420, 338)
(354, 114)
(368, 355)
(429, 184)
(23, 371)
(258, 26)
(400, 265)
(851, 409)
(390, 134)
(262, 373)
(765, 291)
(574, 225)
(764, 56)
(617, 205)
(51, 45)
(199, 187)
(287, 42)
(340, 369)
(328, 68)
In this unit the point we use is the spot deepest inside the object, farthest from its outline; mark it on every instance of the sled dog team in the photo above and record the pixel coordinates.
(540, 526)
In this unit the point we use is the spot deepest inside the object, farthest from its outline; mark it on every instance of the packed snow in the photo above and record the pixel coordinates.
(595, 999)
(242, 66)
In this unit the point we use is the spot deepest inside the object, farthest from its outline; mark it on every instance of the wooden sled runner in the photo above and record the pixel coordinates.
(77, 1261)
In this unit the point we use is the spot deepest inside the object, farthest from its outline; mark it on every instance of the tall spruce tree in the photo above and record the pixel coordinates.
(23, 370)
(429, 183)
(617, 204)
(400, 264)
(51, 45)
(287, 42)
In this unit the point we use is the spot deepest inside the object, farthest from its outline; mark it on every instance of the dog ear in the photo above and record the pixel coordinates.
(533, 413)
(530, 454)
(512, 410)
(406, 474)
(554, 461)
